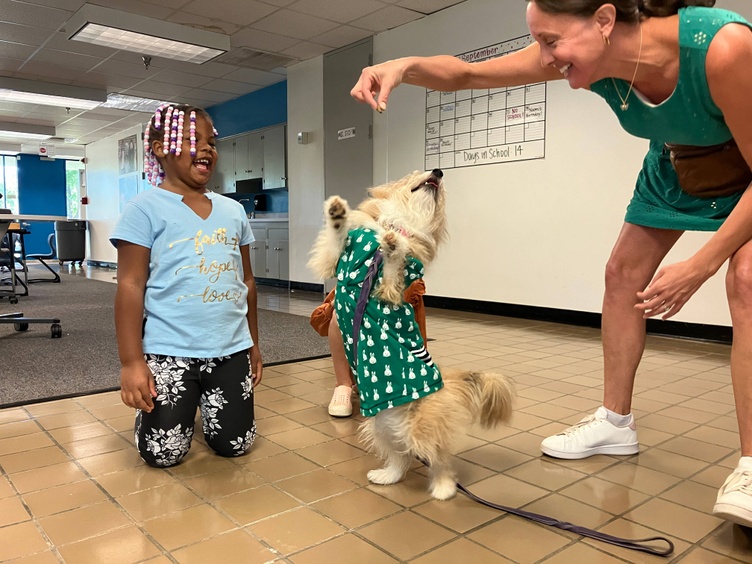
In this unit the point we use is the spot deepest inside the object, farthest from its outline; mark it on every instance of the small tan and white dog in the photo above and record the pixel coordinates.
(404, 222)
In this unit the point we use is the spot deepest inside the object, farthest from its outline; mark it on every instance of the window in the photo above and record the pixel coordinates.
(9, 183)
(73, 187)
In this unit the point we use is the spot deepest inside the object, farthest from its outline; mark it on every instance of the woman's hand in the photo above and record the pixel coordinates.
(257, 365)
(137, 387)
(671, 288)
(376, 82)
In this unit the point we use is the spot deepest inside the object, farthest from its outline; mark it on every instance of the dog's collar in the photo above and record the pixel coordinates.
(401, 230)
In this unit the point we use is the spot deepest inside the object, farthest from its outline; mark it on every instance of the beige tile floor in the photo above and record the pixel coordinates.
(73, 489)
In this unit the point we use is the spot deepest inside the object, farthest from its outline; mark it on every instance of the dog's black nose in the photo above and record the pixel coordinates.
(437, 173)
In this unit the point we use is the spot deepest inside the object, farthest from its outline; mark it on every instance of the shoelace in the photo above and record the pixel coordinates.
(579, 426)
(742, 482)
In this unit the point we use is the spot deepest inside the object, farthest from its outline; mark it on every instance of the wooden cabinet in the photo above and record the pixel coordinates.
(257, 252)
(223, 179)
(270, 253)
(277, 253)
(275, 157)
(259, 154)
(249, 156)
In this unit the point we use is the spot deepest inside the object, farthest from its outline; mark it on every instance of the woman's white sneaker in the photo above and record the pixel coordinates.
(341, 404)
(595, 434)
(734, 502)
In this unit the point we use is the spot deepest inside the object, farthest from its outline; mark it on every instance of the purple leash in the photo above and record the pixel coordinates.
(631, 544)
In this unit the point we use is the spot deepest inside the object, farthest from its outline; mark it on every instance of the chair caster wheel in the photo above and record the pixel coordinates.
(20, 326)
(13, 300)
(56, 330)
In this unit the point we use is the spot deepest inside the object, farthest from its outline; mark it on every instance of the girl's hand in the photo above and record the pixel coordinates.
(377, 82)
(671, 288)
(137, 387)
(257, 365)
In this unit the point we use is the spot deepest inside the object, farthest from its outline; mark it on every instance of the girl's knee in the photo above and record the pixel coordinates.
(164, 448)
(235, 446)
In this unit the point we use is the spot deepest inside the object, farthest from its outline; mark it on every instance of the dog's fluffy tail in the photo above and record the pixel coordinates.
(432, 424)
(486, 396)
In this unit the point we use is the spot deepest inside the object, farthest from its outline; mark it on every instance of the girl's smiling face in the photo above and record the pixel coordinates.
(185, 169)
(571, 44)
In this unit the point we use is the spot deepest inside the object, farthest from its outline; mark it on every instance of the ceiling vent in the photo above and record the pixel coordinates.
(250, 59)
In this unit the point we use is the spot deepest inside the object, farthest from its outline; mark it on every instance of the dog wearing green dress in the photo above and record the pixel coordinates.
(413, 410)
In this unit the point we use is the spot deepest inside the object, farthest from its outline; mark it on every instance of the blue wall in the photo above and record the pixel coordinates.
(258, 109)
(41, 191)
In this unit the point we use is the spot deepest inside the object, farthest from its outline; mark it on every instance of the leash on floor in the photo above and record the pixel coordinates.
(631, 544)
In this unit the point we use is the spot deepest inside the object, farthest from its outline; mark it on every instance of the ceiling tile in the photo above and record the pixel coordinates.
(306, 50)
(262, 40)
(243, 13)
(16, 50)
(25, 34)
(174, 4)
(342, 11)
(210, 69)
(427, 6)
(231, 86)
(202, 22)
(35, 70)
(182, 78)
(252, 76)
(123, 68)
(280, 3)
(70, 5)
(161, 89)
(341, 36)
(63, 59)
(294, 24)
(388, 18)
(30, 14)
(210, 95)
(157, 11)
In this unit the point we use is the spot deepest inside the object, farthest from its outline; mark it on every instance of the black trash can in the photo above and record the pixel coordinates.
(70, 239)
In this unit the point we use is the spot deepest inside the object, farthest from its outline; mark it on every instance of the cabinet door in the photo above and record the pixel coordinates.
(275, 161)
(277, 260)
(223, 179)
(278, 253)
(255, 155)
(257, 252)
(242, 167)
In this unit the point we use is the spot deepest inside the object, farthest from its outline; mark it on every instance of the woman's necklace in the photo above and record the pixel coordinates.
(624, 103)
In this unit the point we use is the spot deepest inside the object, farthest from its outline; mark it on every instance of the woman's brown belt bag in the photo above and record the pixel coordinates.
(710, 172)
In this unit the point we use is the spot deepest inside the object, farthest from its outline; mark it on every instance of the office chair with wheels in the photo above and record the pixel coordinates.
(41, 257)
(8, 260)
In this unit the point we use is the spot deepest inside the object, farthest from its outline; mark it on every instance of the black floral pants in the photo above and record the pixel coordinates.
(221, 388)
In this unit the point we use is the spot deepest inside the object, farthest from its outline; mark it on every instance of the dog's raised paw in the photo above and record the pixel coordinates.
(337, 211)
(390, 242)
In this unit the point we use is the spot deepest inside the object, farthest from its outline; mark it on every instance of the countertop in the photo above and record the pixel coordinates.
(263, 219)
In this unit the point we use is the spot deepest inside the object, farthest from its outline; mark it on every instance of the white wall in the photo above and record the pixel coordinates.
(537, 232)
(305, 167)
(103, 191)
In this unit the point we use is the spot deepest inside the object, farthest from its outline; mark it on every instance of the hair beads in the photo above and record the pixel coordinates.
(168, 124)
(193, 133)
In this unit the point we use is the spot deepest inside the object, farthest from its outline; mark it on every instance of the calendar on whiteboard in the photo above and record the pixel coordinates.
(487, 126)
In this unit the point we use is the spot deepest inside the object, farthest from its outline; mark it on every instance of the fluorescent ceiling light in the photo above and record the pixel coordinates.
(132, 103)
(26, 131)
(144, 35)
(50, 94)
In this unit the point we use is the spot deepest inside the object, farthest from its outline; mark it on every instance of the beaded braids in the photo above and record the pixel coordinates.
(629, 11)
(168, 123)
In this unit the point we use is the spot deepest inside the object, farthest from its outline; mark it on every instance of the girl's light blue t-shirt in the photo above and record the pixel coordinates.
(196, 301)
